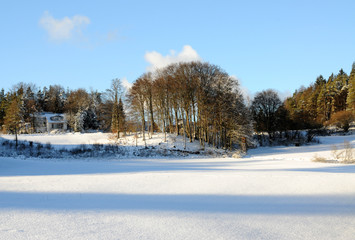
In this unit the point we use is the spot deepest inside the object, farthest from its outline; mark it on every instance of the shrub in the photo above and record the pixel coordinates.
(317, 158)
(342, 120)
(39, 147)
(48, 146)
(346, 155)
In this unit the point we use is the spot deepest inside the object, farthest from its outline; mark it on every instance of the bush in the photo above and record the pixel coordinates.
(317, 158)
(48, 146)
(342, 120)
(346, 155)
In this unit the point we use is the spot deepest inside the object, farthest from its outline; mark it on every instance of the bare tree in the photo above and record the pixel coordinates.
(136, 98)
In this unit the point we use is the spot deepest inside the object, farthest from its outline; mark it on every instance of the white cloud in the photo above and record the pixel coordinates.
(127, 85)
(157, 60)
(63, 29)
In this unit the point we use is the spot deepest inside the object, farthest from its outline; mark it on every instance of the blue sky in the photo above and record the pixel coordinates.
(266, 44)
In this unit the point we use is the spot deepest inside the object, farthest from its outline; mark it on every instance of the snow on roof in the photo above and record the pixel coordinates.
(52, 117)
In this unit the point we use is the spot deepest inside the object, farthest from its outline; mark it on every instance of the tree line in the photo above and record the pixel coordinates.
(84, 110)
(323, 103)
(197, 100)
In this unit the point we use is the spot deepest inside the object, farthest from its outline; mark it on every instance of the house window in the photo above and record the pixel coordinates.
(57, 125)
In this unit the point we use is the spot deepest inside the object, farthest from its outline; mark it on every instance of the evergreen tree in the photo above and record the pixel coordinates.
(330, 92)
(320, 80)
(79, 120)
(339, 92)
(316, 104)
(121, 118)
(3, 104)
(115, 116)
(13, 116)
(40, 101)
(322, 104)
(312, 103)
(350, 101)
(45, 99)
(30, 107)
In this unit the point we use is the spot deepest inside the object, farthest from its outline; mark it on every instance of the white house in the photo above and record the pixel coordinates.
(47, 122)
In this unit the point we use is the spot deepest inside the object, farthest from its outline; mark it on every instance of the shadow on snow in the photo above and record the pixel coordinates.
(41, 167)
(239, 204)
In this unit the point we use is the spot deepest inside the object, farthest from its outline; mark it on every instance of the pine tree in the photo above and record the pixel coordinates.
(3, 104)
(321, 104)
(339, 92)
(121, 118)
(13, 116)
(45, 99)
(330, 93)
(320, 80)
(114, 120)
(312, 105)
(79, 121)
(350, 101)
(40, 101)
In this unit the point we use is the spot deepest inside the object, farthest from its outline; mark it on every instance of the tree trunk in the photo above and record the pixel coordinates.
(16, 136)
(176, 122)
(151, 116)
(188, 127)
(143, 127)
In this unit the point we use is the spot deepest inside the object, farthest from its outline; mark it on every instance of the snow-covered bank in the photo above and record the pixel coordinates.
(104, 145)
(308, 152)
(63, 140)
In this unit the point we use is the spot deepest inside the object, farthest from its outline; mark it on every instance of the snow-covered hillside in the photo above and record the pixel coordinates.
(272, 193)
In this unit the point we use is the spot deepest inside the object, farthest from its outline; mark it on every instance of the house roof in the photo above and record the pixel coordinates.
(51, 117)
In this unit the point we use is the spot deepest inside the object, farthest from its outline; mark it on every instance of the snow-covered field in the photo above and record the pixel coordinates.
(71, 140)
(67, 140)
(272, 193)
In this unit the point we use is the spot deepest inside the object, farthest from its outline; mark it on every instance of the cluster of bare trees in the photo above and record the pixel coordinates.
(197, 100)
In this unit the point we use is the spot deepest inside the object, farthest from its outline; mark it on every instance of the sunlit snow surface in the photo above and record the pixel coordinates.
(272, 193)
